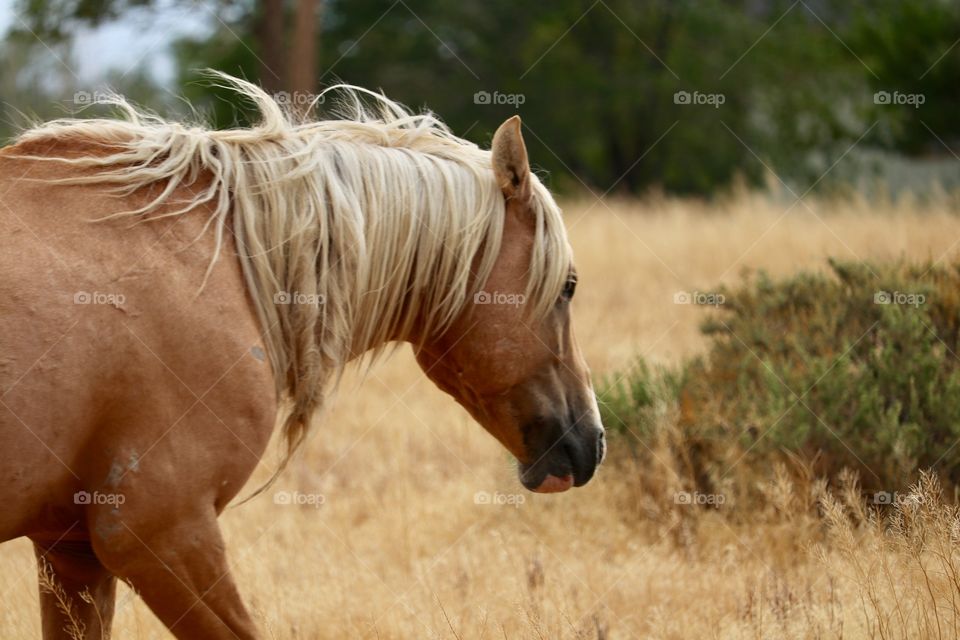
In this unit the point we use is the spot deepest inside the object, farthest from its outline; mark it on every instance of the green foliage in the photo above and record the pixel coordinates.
(911, 48)
(857, 368)
(596, 83)
(224, 52)
(637, 400)
(27, 70)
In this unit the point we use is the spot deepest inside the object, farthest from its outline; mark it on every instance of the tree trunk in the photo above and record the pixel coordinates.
(302, 64)
(269, 34)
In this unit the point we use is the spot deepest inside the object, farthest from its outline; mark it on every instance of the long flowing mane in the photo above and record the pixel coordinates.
(382, 220)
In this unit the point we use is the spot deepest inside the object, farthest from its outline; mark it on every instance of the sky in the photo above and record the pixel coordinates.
(141, 38)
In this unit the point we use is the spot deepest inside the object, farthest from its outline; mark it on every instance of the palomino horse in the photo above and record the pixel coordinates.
(166, 290)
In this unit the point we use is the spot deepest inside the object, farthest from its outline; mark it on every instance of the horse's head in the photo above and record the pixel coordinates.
(521, 375)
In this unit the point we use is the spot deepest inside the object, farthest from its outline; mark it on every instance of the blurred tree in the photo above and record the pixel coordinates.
(684, 96)
(598, 88)
(302, 62)
(912, 48)
(266, 21)
(32, 81)
(268, 34)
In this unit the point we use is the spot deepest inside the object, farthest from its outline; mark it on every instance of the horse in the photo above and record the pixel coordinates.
(172, 294)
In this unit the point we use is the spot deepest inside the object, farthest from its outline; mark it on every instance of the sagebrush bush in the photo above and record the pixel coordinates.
(853, 368)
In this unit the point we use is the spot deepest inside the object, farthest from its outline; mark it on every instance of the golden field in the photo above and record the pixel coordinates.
(425, 532)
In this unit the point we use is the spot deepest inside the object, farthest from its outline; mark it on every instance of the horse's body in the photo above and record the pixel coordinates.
(91, 388)
(133, 408)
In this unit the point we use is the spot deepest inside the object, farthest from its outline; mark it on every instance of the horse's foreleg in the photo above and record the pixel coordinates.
(180, 570)
(76, 592)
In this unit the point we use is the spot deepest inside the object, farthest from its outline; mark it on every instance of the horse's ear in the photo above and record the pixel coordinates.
(510, 165)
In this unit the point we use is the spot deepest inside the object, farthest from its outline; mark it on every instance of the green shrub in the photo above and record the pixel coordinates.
(638, 398)
(855, 368)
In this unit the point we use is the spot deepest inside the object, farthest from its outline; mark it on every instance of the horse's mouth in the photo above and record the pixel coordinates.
(553, 484)
(535, 478)
(553, 476)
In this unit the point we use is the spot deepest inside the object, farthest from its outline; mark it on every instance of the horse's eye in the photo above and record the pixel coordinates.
(569, 289)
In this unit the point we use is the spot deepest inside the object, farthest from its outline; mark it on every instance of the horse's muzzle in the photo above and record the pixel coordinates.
(567, 460)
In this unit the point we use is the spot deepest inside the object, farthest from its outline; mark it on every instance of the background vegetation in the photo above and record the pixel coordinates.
(853, 369)
(597, 82)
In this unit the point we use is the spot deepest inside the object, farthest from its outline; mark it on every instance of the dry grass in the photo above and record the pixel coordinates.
(906, 566)
(401, 549)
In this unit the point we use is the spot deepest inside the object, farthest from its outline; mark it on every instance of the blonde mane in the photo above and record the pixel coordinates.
(382, 221)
